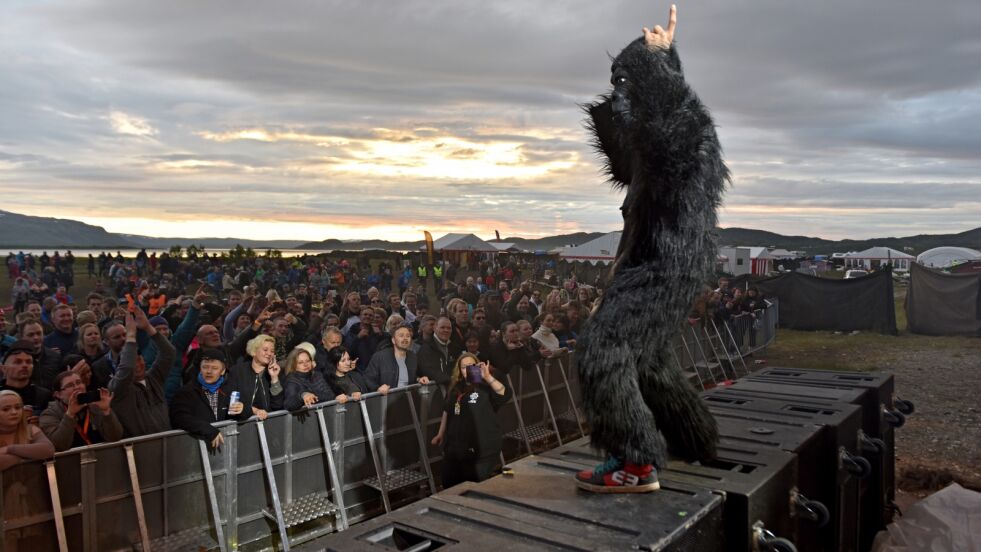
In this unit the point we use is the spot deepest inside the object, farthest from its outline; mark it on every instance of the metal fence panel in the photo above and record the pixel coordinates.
(181, 482)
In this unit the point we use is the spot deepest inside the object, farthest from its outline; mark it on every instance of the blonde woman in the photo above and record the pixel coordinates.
(19, 440)
(258, 377)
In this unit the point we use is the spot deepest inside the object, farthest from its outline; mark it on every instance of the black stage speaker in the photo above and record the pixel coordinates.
(757, 484)
(539, 508)
(882, 412)
(826, 440)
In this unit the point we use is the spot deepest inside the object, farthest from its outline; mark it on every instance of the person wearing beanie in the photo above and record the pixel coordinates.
(207, 399)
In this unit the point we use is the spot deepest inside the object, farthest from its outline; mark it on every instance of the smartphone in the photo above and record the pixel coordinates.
(473, 374)
(89, 397)
(132, 303)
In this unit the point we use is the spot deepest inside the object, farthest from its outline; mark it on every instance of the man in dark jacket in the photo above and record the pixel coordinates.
(138, 394)
(435, 360)
(511, 353)
(47, 361)
(206, 400)
(395, 367)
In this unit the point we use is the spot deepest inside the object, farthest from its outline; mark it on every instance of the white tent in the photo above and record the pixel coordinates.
(462, 242)
(600, 250)
(762, 260)
(875, 257)
(943, 257)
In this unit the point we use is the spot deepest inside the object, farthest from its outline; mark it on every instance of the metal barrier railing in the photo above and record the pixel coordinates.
(713, 352)
(273, 484)
(278, 482)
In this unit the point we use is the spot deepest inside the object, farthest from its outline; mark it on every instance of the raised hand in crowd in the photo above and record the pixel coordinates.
(84, 371)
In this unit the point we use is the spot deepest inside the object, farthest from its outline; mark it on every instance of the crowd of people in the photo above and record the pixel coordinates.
(143, 353)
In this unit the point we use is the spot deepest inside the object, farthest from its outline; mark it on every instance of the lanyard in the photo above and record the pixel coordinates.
(84, 430)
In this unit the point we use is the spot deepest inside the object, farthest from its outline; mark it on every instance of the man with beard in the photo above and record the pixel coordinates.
(46, 362)
(395, 367)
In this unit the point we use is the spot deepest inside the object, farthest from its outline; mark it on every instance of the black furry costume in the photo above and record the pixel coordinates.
(660, 144)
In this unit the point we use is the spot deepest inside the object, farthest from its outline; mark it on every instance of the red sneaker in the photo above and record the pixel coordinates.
(614, 476)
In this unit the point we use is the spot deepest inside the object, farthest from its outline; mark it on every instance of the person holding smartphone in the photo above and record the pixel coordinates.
(77, 417)
(470, 431)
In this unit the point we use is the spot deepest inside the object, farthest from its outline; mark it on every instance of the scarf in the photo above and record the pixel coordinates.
(210, 387)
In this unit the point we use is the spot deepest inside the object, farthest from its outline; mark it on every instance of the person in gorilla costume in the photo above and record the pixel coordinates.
(661, 147)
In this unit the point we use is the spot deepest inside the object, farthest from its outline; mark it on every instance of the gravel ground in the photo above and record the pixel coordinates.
(941, 441)
(944, 434)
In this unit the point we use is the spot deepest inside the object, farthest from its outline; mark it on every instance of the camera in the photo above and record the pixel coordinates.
(89, 397)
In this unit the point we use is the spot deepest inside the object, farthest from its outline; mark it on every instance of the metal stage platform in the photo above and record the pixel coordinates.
(805, 463)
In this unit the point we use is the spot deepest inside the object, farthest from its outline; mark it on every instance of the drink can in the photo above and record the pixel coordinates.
(234, 397)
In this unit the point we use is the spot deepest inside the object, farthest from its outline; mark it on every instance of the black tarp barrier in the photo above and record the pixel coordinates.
(812, 303)
(938, 303)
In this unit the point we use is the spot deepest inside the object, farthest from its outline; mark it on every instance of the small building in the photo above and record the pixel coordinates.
(968, 267)
(945, 257)
(874, 258)
(737, 260)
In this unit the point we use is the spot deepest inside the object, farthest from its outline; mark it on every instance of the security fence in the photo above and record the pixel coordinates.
(711, 351)
(273, 484)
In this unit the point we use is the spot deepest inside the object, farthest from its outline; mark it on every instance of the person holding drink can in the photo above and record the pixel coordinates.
(212, 397)
(469, 430)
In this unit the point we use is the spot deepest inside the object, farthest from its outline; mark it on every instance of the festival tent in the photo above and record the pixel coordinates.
(600, 250)
(782, 254)
(874, 258)
(762, 260)
(463, 249)
(938, 303)
(505, 247)
(813, 303)
(944, 257)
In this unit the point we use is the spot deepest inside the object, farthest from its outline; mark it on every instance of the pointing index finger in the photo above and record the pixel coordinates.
(672, 19)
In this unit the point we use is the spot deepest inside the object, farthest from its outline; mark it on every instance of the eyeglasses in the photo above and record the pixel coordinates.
(68, 386)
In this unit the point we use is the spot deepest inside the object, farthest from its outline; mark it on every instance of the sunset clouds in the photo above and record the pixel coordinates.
(357, 119)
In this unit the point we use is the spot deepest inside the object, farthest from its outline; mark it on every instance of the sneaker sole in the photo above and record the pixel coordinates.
(622, 489)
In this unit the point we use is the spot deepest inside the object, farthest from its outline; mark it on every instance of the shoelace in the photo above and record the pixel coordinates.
(612, 464)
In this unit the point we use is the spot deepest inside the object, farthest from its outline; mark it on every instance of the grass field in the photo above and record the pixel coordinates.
(864, 351)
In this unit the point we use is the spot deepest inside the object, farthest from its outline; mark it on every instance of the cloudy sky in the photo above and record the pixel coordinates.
(309, 120)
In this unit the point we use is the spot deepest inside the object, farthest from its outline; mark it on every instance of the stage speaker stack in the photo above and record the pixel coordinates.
(825, 441)
(758, 486)
(882, 413)
(538, 507)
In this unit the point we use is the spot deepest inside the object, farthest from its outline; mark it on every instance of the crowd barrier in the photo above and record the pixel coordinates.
(273, 484)
(712, 352)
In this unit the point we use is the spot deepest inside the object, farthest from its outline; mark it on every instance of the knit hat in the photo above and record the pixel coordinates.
(211, 353)
(159, 321)
(308, 347)
(19, 346)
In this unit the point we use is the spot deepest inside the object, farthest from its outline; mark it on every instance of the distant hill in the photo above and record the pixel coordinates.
(211, 243)
(28, 232)
(362, 245)
(23, 231)
(917, 244)
(528, 244)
